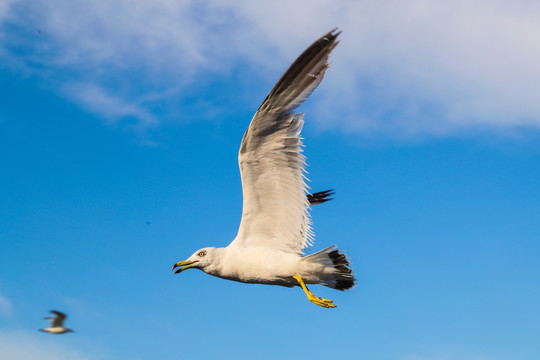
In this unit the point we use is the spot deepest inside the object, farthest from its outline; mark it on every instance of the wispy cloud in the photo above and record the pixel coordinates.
(403, 68)
(111, 107)
(22, 345)
(6, 309)
(4, 8)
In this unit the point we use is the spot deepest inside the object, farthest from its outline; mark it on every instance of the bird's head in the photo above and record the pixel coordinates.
(199, 260)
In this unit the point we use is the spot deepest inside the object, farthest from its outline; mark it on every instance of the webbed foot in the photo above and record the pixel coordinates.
(314, 299)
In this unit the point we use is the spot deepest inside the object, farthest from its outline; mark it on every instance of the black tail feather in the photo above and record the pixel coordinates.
(344, 284)
(346, 281)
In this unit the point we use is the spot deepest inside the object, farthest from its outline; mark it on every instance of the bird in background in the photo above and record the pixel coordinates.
(276, 226)
(57, 323)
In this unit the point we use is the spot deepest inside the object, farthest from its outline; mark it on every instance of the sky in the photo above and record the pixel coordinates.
(120, 124)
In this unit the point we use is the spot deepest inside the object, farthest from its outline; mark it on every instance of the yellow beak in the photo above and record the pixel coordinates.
(186, 265)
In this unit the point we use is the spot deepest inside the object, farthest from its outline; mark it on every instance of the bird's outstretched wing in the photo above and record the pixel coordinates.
(275, 208)
(58, 319)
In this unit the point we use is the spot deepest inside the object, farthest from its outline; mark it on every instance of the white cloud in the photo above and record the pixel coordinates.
(402, 68)
(6, 309)
(22, 345)
(112, 107)
(4, 8)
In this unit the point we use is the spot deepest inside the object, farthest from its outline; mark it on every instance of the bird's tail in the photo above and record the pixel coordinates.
(341, 278)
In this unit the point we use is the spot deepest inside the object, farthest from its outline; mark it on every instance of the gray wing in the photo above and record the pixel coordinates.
(275, 208)
(58, 319)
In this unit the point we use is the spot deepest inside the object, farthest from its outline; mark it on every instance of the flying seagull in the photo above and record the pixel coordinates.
(57, 323)
(275, 225)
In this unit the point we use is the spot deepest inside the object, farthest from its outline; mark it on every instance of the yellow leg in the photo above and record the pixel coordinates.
(314, 299)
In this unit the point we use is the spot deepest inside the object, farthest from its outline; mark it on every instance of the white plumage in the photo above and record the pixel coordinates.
(276, 225)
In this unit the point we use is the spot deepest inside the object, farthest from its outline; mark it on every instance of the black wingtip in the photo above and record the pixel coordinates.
(320, 197)
(332, 34)
(317, 51)
(59, 314)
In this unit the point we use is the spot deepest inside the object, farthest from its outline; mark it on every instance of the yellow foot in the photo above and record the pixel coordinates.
(321, 302)
(314, 299)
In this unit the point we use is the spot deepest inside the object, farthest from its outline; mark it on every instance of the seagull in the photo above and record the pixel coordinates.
(275, 228)
(57, 323)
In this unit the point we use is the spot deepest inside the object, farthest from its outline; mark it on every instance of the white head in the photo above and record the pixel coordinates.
(200, 259)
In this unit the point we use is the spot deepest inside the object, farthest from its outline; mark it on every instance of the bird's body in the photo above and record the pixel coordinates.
(276, 226)
(57, 323)
(263, 265)
(56, 330)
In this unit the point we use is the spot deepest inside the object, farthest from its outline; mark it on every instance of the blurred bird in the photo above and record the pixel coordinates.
(57, 323)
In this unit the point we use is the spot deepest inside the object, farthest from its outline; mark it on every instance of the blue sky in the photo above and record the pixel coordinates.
(119, 130)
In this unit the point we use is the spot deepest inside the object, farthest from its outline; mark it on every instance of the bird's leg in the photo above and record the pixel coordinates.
(314, 299)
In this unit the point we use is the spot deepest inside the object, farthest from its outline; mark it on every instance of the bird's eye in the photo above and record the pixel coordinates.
(202, 253)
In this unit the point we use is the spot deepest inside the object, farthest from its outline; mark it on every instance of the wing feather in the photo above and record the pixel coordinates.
(275, 209)
(58, 319)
